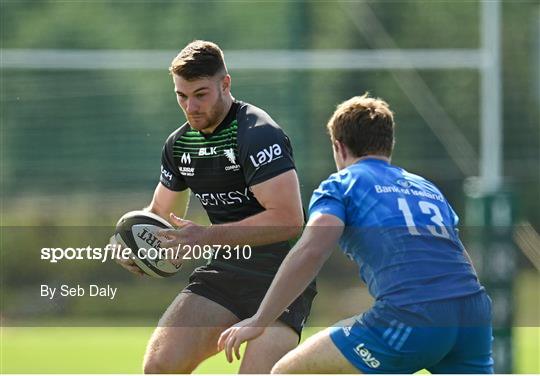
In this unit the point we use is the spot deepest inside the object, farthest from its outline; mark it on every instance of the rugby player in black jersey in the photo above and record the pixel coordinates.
(238, 162)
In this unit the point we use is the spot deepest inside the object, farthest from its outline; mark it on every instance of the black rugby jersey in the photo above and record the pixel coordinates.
(247, 148)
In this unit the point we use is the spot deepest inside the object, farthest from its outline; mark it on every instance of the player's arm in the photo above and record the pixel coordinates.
(298, 269)
(165, 201)
(281, 220)
(272, 180)
(301, 265)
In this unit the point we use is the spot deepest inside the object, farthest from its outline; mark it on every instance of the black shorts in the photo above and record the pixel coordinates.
(241, 292)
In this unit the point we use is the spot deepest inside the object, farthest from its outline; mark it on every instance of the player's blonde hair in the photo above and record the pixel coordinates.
(365, 125)
(199, 59)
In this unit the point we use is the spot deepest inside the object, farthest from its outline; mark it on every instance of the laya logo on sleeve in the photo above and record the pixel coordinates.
(166, 174)
(266, 155)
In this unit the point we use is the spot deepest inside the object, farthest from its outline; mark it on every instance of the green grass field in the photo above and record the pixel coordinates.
(120, 350)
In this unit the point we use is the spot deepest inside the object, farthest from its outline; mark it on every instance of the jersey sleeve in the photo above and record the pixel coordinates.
(265, 152)
(328, 199)
(170, 177)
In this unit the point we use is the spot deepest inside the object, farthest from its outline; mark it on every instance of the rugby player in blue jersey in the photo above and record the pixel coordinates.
(430, 311)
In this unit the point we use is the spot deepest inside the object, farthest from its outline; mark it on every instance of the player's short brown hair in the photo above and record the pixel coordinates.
(365, 125)
(198, 59)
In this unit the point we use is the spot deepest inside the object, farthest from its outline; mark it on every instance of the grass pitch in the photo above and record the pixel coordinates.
(120, 350)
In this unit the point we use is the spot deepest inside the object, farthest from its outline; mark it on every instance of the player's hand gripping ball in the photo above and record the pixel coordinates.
(137, 230)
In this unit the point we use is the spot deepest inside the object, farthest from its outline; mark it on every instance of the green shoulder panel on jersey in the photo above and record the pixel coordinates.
(198, 145)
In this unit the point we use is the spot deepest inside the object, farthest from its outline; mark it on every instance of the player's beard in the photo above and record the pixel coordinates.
(211, 119)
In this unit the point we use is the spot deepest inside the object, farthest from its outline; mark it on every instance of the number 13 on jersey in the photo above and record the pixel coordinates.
(437, 228)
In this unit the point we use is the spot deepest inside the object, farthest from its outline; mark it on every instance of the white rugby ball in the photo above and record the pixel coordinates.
(137, 230)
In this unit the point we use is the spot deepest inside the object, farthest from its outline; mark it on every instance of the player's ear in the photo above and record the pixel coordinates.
(345, 151)
(226, 83)
(340, 149)
(335, 146)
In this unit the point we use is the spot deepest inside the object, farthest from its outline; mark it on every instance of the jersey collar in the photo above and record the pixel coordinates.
(372, 159)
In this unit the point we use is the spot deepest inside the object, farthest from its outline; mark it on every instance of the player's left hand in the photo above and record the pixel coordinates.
(187, 233)
(231, 339)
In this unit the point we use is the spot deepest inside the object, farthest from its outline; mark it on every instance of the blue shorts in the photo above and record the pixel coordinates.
(447, 336)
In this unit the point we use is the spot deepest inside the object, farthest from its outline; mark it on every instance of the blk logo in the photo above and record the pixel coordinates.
(207, 151)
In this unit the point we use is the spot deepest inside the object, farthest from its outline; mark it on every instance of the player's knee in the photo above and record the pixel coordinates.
(164, 364)
(283, 367)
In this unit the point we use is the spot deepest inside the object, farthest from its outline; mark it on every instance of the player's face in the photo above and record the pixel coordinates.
(203, 100)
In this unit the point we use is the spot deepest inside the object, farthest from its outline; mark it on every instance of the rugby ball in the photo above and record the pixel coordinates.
(137, 231)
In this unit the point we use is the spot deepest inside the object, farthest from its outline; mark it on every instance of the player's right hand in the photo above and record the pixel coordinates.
(231, 339)
(127, 264)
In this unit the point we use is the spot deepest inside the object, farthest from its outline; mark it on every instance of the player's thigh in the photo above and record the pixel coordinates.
(262, 353)
(318, 354)
(186, 334)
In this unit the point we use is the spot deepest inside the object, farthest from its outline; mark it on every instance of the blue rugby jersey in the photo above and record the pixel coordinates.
(401, 232)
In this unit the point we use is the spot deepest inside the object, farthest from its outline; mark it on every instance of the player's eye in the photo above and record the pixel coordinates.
(200, 95)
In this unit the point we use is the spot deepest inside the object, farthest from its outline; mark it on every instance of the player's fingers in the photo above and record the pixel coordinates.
(125, 261)
(135, 270)
(222, 338)
(177, 221)
(176, 262)
(130, 262)
(122, 261)
(228, 347)
(227, 353)
(171, 243)
(165, 244)
(129, 265)
(166, 234)
(228, 350)
(237, 344)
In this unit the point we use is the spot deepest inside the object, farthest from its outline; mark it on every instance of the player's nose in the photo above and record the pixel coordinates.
(192, 106)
